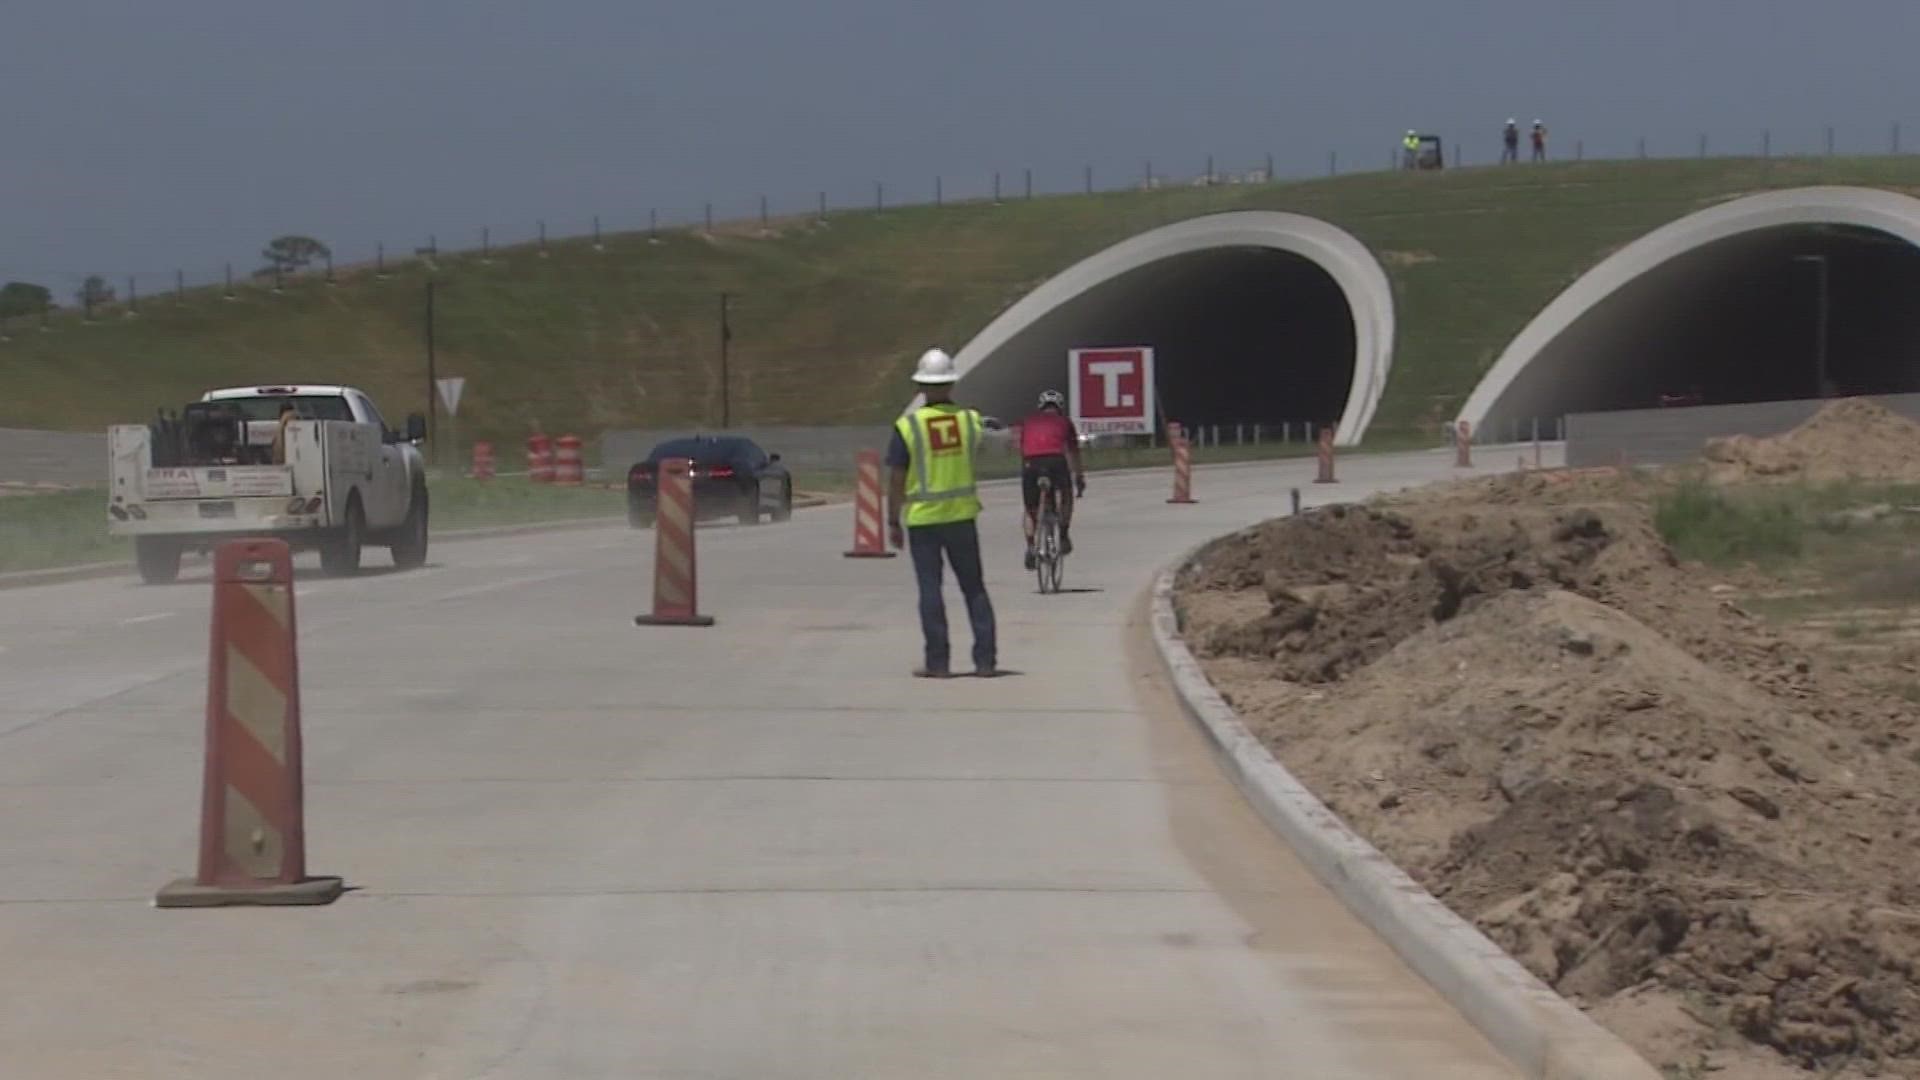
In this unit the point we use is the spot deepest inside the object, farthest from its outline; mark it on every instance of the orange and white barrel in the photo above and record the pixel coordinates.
(539, 459)
(567, 466)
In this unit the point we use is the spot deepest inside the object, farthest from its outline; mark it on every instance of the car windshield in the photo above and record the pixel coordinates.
(704, 451)
(309, 406)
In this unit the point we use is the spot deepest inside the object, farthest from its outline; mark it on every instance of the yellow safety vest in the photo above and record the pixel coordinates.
(941, 443)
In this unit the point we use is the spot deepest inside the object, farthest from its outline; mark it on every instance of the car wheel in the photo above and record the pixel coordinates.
(750, 506)
(410, 549)
(639, 514)
(340, 555)
(157, 558)
(784, 511)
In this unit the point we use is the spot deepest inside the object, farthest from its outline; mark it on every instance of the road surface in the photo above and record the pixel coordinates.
(583, 849)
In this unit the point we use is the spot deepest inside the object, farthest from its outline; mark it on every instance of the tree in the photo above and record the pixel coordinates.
(291, 254)
(94, 291)
(24, 298)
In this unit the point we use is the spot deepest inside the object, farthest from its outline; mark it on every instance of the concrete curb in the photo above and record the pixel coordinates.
(1543, 1034)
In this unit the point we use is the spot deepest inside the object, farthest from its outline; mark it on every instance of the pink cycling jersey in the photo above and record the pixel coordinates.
(1047, 434)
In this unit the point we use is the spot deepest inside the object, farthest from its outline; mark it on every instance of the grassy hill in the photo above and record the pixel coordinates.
(827, 317)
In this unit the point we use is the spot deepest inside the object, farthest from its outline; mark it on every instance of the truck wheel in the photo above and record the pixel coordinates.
(340, 555)
(410, 543)
(157, 558)
(750, 506)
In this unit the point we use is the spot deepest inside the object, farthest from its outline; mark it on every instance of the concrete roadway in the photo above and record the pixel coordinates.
(583, 849)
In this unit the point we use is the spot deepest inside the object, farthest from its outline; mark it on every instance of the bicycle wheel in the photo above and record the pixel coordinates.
(1047, 557)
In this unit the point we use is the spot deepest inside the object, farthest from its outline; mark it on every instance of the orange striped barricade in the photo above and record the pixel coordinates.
(869, 534)
(1324, 452)
(675, 578)
(539, 459)
(482, 461)
(568, 468)
(1463, 445)
(252, 820)
(1182, 465)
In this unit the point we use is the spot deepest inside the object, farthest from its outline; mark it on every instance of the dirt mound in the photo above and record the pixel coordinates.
(1627, 783)
(1852, 438)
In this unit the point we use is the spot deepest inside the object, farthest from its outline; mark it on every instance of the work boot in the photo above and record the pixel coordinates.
(1030, 558)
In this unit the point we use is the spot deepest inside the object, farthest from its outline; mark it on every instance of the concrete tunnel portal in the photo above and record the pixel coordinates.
(1254, 318)
(1805, 293)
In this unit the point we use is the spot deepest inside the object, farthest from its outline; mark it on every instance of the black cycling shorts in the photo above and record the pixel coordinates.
(1052, 466)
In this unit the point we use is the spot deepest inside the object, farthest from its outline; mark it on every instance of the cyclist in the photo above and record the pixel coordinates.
(1050, 447)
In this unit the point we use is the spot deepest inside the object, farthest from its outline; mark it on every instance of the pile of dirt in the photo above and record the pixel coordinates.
(1655, 804)
(1852, 438)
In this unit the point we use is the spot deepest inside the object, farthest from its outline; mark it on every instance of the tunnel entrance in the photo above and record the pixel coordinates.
(1240, 336)
(1792, 312)
(1255, 317)
(1769, 313)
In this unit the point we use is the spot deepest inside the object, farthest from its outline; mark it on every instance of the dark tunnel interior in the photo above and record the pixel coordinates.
(1738, 320)
(1240, 336)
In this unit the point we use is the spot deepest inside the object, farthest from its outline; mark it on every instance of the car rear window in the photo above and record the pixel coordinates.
(308, 406)
(703, 451)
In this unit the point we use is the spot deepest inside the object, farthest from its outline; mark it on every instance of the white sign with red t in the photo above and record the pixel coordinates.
(1110, 391)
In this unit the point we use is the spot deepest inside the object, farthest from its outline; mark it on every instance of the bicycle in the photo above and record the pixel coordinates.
(1047, 558)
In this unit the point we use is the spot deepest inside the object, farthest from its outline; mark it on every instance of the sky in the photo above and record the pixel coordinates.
(139, 137)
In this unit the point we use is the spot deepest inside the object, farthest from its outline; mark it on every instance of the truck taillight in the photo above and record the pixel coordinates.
(721, 472)
(297, 505)
(313, 505)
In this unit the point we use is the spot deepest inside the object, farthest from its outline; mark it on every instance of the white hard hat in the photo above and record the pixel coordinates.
(1511, 121)
(935, 369)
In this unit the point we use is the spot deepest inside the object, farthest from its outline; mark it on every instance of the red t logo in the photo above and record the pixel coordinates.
(943, 433)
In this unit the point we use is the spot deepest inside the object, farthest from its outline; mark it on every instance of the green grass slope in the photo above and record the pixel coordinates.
(828, 317)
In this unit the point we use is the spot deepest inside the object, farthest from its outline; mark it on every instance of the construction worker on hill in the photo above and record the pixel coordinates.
(1510, 143)
(931, 478)
(1539, 141)
(1412, 147)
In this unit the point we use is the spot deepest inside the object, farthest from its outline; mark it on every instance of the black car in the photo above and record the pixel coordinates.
(731, 476)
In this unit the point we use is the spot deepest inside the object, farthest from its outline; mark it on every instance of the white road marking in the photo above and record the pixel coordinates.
(156, 617)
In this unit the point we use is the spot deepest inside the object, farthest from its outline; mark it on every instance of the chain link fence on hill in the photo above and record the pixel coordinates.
(109, 292)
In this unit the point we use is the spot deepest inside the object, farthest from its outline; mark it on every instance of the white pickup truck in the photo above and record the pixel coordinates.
(332, 476)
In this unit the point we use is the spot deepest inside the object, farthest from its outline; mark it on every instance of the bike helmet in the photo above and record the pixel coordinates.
(1054, 398)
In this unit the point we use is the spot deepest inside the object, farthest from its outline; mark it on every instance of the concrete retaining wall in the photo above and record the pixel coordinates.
(53, 457)
(825, 448)
(1674, 436)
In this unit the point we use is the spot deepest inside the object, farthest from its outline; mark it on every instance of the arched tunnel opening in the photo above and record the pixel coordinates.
(1241, 336)
(1777, 313)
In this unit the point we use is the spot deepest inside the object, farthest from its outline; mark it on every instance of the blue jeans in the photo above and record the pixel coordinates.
(959, 542)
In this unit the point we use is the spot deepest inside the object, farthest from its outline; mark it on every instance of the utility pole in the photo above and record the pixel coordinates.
(726, 338)
(433, 382)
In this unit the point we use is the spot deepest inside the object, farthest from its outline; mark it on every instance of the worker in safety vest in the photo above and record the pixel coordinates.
(1412, 146)
(931, 462)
